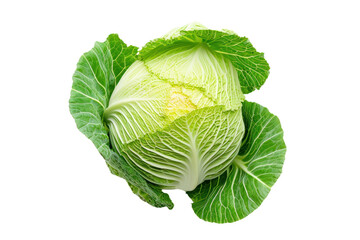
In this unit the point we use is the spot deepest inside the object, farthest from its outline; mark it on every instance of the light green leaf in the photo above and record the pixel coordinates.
(97, 73)
(185, 155)
(250, 65)
(245, 185)
(135, 105)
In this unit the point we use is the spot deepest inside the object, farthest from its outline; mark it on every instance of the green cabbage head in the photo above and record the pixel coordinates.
(176, 114)
(173, 116)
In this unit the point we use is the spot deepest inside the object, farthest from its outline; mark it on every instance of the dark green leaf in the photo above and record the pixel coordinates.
(97, 73)
(242, 189)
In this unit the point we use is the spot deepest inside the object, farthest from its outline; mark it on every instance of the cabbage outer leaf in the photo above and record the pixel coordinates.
(98, 72)
(244, 186)
(251, 66)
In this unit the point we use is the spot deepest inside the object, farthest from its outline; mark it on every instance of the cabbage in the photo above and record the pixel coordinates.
(174, 116)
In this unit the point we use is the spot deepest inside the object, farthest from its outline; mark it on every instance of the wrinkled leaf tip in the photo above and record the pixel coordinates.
(170, 206)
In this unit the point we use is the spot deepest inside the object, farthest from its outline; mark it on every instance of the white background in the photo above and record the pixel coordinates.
(55, 185)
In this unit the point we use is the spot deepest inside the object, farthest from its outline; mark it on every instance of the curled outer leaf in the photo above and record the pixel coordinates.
(251, 66)
(245, 185)
(97, 73)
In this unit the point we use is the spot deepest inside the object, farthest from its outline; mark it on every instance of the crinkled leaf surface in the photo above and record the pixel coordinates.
(97, 73)
(245, 185)
(251, 65)
(148, 192)
(183, 156)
